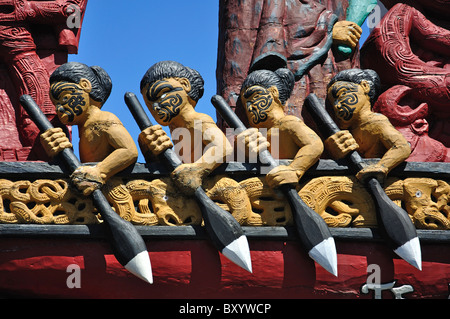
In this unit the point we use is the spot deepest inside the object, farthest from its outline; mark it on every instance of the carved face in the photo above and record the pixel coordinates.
(70, 100)
(427, 200)
(347, 99)
(258, 102)
(165, 99)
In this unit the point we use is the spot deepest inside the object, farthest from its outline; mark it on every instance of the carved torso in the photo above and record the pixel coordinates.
(369, 140)
(286, 138)
(94, 136)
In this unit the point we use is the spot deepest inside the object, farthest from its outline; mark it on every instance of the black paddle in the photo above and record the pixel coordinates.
(398, 227)
(127, 244)
(312, 229)
(224, 230)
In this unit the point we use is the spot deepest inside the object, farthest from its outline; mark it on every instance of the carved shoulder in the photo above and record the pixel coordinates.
(103, 122)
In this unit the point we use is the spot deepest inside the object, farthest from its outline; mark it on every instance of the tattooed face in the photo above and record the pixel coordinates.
(165, 99)
(347, 99)
(70, 101)
(258, 102)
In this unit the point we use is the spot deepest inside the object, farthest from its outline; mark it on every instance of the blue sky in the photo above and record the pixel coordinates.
(127, 37)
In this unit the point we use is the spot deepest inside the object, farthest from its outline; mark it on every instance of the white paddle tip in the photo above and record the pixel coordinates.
(140, 267)
(238, 252)
(325, 255)
(411, 252)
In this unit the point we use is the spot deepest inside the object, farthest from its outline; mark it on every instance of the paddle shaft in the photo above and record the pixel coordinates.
(125, 240)
(312, 229)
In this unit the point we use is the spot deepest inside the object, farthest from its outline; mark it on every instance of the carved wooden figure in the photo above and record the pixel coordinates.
(171, 92)
(264, 94)
(312, 229)
(351, 94)
(79, 92)
(127, 245)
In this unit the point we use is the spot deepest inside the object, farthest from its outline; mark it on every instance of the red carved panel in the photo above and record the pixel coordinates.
(34, 40)
(410, 50)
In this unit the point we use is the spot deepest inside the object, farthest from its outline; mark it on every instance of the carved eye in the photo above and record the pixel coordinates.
(163, 96)
(418, 194)
(165, 198)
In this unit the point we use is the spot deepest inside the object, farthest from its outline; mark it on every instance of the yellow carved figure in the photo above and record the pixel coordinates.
(426, 201)
(351, 93)
(263, 95)
(171, 92)
(78, 93)
(44, 202)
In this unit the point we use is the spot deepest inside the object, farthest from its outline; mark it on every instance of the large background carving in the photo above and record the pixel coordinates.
(34, 40)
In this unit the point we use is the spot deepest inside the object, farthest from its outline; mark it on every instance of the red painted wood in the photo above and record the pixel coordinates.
(409, 49)
(34, 40)
(194, 269)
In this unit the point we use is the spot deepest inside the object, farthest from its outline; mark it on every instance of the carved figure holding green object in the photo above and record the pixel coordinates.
(357, 12)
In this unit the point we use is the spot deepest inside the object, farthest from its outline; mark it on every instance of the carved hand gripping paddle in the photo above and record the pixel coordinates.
(127, 244)
(312, 229)
(224, 230)
(397, 225)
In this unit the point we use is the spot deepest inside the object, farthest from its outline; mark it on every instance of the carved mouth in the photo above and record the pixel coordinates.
(66, 113)
(431, 218)
(164, 116)
(162, 112)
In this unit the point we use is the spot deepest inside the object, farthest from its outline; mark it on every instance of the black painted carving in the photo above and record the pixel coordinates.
(259, 104)
(349, 99)
(166, 104)
(73, 104)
